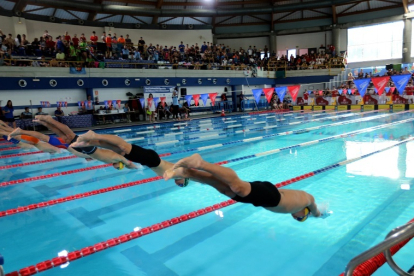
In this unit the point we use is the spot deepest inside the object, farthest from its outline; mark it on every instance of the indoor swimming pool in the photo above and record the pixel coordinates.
(57, 204)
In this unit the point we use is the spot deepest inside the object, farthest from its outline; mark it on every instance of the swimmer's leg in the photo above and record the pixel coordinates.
(112, 142)
(46, 147)
(226, 176)
(60, 129)
(38, 135)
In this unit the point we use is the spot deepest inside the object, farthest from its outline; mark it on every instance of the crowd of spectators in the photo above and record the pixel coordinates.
(70, 50)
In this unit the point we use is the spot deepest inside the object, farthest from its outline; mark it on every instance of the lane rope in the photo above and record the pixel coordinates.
(89, 250)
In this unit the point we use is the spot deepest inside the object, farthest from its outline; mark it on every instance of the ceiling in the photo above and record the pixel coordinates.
(214, 13)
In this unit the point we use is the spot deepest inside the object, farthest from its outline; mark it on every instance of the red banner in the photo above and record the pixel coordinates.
(196, 97)
(268, 93)
(392, 89)
(212, 97)
(380, 83)
(163, 99)
(320, 93)
(294, 91)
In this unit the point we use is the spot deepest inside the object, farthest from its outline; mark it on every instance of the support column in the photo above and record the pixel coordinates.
(335, 40)
(406, 50)
(214, 39)
(272, 43)
(234, 97)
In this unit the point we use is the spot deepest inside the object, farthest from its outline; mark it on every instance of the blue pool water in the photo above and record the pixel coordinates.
(365, 197)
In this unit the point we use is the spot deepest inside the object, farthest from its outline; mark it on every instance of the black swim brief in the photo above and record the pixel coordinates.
(85, 150)
(263, 194)
(145, 157)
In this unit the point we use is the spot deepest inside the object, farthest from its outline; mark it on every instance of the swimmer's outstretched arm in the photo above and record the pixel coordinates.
(110, 157)
(112, 142)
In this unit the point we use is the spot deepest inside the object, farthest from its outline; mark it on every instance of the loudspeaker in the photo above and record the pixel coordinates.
(389, 66)
(225, 89)
(183, 91)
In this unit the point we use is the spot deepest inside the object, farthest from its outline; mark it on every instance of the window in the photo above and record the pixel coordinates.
(291, 52)
(375, 42)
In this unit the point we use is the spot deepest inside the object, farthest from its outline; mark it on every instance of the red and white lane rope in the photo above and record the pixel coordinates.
(86, 251)
(370, 266)
(20, 154)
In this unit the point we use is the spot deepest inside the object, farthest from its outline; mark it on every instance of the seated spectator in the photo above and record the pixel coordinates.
(125, 52)
(60, 56)
(40, 111)
(160, 111)
(121, 39)
(53, 63)
(59, 112)
(26, 114)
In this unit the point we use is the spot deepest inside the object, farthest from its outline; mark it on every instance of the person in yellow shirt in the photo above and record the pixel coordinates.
(121, 39)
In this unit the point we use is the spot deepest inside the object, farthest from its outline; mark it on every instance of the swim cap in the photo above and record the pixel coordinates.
(120, 166)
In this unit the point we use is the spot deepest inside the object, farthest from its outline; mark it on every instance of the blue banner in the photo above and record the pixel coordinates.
(113, 103)
(387, 89)
(204, 97)
(256, 94)
(362, 85)
(142, 100)
(77, 70)
(188, 98)
(350, 91)
(106, 104)
(400, 82)
(281, 92)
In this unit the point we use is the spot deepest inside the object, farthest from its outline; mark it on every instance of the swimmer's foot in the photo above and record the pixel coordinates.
(88, 136)
(192, 162)
(14, 133)
(180, 175)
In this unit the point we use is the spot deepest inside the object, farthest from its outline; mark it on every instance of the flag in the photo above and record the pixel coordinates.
(77, 70)
(400, 82)
(113, 103)
(204, 98)
(256, 94)
(196, 97)
(380, 83)
(118, 102)
(163, 99)
(362, 85)
(141, 100)
(281, 92)
(106, 104)
(387, 89)
(156, 99)
(268, 93)
(320, 92)
(188, 98)
(294, 91)
(350, 91)
(212, 98)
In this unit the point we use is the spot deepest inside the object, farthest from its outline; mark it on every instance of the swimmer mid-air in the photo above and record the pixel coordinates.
(65, 138)
(261, 194)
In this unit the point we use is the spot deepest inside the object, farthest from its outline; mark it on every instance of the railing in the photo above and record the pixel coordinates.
(227, 106)
(250, 104)
(395, 237)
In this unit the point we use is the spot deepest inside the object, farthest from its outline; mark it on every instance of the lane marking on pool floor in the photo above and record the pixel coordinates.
(33, 206)
(89, 250)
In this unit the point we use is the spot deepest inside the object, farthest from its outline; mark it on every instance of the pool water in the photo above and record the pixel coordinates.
(366, 198)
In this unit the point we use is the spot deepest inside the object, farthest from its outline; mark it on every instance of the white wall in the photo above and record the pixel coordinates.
(165, 37)
(6, 25)
(236, 43)
(22, 98)
(115, 94)
(303, 41)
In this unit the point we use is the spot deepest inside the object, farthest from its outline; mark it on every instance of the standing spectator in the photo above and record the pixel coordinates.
(125, 52)
(141, 43)
(241, 99)
(151, 108)
(128, 41)
(150, 51)
(18, 41)
(203, 47)
(26, 114)
(121, 39)
(103, 37)
(8, 113)
(59, 44)
(67, 36)
(83, 47)
(181, 48)
(137, 55)
(94, 39)
(108, 41)
(223, 97)
(175, 105)
(89, 105)
(75, 40)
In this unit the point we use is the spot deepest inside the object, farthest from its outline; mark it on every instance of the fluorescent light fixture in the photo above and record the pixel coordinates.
(137, 79)
(405, 186)
(36, 79)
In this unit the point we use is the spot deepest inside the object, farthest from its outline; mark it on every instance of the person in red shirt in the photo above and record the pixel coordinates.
(50, 44)
(67, 37)
(75, 40)
(94, 38)
(409, 93)
(108, 41)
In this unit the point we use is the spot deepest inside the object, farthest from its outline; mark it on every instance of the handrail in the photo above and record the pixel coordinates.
(395, 237)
